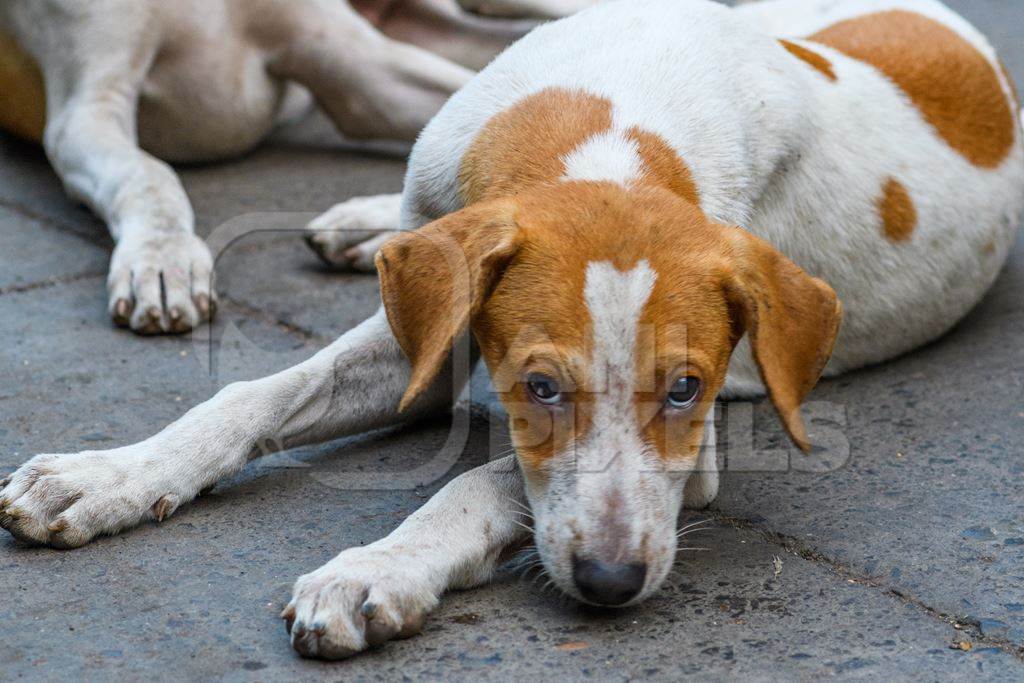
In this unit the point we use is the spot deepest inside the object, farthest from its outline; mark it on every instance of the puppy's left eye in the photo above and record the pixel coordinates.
(684, 393)
(544, 389)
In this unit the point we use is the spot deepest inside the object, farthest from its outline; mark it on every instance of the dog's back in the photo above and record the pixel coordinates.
(898, 182)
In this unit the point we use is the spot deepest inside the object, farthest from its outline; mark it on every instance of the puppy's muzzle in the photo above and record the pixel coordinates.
(609, 584)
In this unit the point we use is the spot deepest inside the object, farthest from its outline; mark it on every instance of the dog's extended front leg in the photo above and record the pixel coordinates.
(371, 594)
(161, 272)
(351, 386)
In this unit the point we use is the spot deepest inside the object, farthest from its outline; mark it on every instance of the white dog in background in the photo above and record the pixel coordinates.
(576, 207)
(114, 89)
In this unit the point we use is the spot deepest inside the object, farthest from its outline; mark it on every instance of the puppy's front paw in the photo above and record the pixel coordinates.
(67, 500)
(350, 234)
(362, 598)
(161, 283)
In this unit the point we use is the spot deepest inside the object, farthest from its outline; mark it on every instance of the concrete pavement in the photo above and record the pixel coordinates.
(870, 559)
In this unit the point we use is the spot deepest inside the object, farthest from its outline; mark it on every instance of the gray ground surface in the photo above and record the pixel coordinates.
(912, 539)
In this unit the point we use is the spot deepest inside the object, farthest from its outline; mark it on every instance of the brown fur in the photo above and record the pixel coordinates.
(524, 144)
(897, 210)
(818, 62)
(528, 259)
(954, 86)
(662, 166)
(555, 122)
(434, 280)
(22, 95)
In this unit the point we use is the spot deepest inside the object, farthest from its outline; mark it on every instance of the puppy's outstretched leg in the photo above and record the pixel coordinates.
(371, 594)
(372, 87)
(350, 234)
(351, 386)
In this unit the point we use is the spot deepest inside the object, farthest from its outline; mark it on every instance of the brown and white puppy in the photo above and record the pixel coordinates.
(576, 210)
(114, 89)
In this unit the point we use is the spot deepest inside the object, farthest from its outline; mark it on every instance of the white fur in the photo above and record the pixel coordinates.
(773, 146)
(612, 462)
(609, 497)
(607, 156)
(350, 233)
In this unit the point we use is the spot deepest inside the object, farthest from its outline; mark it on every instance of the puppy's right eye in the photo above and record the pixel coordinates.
(543, 389)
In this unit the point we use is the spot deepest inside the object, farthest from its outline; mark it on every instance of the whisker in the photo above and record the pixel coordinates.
(519, 503)
(525, 526)
(697, 523)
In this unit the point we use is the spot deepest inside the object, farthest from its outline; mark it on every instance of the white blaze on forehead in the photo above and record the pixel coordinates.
(605, 156)
(615, 301)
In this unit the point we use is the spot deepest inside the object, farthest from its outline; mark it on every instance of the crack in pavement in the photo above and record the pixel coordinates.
(106, 242)
(966, 625)
(51, 282)
(270, 318)
(54, 224)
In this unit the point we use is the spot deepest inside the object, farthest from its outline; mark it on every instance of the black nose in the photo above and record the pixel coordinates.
(609, 584)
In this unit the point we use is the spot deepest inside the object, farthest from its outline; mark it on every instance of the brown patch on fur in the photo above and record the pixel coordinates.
(899, 215)
(953, 85)
(524, 145)
(22, 95)
(816, 61)
(663, 166)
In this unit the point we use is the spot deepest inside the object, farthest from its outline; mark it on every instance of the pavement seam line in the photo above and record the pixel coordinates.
(795, 546)
(51, 282)
(266, 317)
(53, 224)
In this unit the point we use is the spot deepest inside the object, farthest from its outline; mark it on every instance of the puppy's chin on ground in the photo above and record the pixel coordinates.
(559, 566)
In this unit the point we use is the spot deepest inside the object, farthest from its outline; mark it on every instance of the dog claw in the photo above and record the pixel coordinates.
(203, 305)
(58, 526)
(165, 507)
(289, 617)
(122, 313)
(179, 323)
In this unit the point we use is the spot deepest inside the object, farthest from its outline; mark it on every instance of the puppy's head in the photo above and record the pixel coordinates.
(607, 318)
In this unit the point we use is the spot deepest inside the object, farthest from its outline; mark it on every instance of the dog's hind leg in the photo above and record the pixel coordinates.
(445, 28)
(526, 9)
(372, 87)
(350, 234)
(374, 593)
(351, 386)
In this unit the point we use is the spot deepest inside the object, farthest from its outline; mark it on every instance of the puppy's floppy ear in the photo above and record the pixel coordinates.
(792, 320)
(435, 279)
